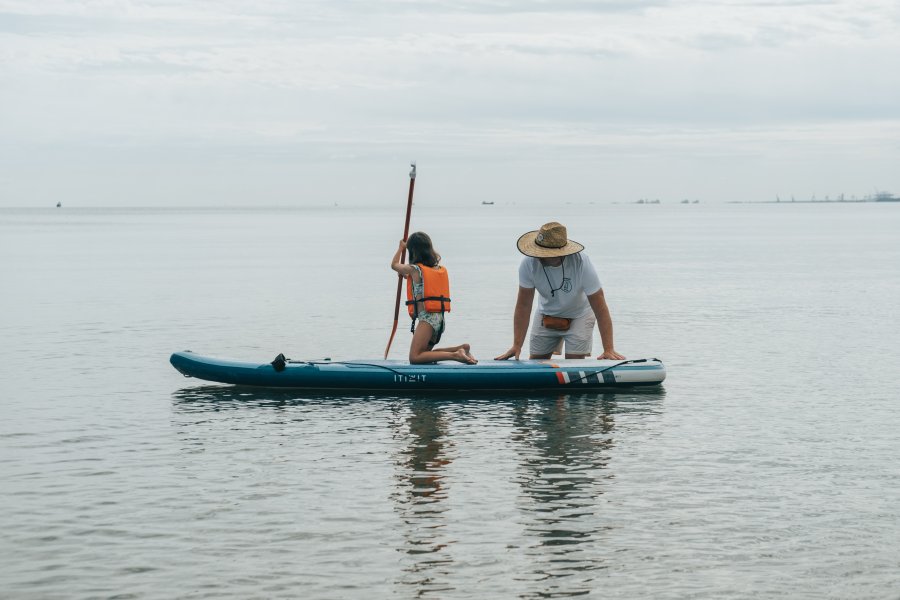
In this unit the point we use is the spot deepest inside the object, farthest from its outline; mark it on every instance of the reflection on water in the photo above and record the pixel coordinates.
(559, 451)
(420, 494)
(216, 397)
(564, 447)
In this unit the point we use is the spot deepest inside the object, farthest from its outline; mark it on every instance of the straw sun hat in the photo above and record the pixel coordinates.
(548, 241)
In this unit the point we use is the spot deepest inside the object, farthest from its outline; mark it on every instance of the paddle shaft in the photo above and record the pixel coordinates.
(409, 200)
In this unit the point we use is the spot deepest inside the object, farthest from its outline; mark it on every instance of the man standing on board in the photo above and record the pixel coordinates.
(571, 298)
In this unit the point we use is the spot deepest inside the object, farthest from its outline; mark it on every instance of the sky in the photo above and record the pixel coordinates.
(309, 102)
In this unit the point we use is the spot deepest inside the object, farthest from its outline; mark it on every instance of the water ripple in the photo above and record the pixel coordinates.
(764, 468)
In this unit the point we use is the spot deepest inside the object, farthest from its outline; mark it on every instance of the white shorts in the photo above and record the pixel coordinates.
(579, 338)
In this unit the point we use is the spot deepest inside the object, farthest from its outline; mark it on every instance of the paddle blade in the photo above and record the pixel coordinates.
(391, 339)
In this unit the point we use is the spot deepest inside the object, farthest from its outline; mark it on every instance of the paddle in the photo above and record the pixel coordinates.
(412, 183)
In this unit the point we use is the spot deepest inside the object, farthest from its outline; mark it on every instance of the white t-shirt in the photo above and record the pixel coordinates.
(569, 297)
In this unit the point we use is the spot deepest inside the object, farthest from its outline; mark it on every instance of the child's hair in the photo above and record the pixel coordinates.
(421, 251)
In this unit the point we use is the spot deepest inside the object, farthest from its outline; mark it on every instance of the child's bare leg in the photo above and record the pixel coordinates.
(450, 348)
(465, 347)
(420, 350)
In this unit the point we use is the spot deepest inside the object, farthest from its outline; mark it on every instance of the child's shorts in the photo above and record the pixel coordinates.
(436, 320)
(579, 337)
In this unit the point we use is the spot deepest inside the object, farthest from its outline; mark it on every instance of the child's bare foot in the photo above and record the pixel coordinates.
(466, 348)
(462, 355)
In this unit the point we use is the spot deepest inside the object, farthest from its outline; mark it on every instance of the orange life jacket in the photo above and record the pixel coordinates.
(436, 297)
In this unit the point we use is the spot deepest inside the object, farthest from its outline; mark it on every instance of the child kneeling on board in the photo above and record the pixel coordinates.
(428, 298)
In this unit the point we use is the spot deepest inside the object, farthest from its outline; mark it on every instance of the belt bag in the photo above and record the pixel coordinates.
(558, 323)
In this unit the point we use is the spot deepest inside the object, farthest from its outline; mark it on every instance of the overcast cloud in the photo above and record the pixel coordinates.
(135, 103)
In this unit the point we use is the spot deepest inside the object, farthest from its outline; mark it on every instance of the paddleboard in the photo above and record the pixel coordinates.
(401, 375)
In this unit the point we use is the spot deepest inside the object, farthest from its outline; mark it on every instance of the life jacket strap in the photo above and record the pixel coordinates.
(442, 299)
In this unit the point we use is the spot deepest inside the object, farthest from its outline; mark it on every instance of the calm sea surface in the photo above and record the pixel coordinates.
(767, 466)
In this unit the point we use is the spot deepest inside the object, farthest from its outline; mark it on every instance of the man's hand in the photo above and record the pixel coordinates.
(610, 355)
(514, 351)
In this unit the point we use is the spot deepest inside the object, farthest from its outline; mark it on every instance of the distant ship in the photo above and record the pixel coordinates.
(59, 205)
(886, 197)
(486, 202)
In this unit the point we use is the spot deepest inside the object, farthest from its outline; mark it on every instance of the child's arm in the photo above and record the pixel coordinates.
(402, 269)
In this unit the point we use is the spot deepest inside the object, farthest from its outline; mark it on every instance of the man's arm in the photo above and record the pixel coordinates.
(521, 316)
(604, 323)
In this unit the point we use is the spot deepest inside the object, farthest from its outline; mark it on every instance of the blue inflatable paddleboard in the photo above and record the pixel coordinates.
(401, 375)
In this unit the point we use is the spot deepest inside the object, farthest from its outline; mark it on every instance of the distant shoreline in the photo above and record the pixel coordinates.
(864, 201)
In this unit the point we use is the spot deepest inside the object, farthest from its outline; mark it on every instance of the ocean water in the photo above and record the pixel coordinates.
(766, 466)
